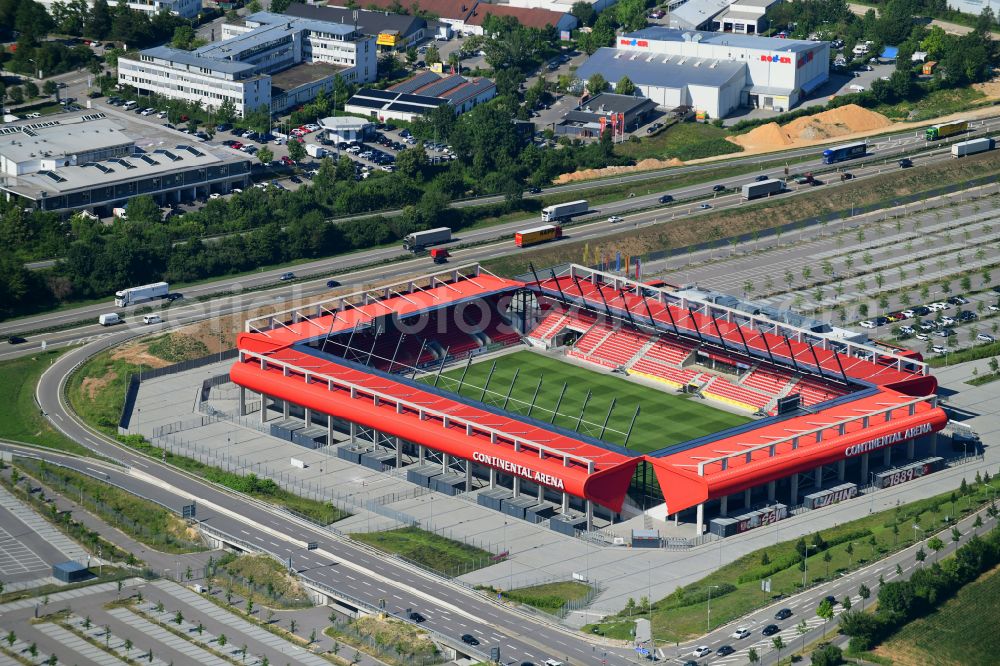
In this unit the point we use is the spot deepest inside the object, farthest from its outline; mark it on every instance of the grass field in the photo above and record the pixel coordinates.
(434, 552)
(687, 418)
(960, 632)
(22, 420)
(550, 597)
(685, 141)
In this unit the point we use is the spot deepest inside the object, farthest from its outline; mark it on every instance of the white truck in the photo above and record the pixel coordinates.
(109, 319)
(147, 292)
(763, 188)
(972, 146)
(312, 150)
(564, 211)
(419, 240)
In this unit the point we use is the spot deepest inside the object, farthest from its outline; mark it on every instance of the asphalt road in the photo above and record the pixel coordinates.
(337, 563)
(884, 151)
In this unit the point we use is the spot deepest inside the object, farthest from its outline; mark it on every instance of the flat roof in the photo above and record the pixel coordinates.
(663, 34)
(195, 60)
(371, 23)
(301, 74)
(612, 103)
(694, 13)
(38, 139)
(344, 123)
(659, 69)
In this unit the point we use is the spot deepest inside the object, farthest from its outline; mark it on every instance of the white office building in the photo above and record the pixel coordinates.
(712, 72)
(266, 61)
(186, 8)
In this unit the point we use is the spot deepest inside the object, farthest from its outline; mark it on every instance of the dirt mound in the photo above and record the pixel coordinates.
(643, 165)
(844, 120)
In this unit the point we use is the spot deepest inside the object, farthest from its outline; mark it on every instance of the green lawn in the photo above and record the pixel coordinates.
(22, 420)
(962, 631)
(933, 104)
(685, 141)
(664, 418)
(549, 597)
(681, 615)
(446, 556)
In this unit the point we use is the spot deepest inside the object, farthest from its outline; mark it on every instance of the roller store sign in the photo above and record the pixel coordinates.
(888, 440)
(519, 470)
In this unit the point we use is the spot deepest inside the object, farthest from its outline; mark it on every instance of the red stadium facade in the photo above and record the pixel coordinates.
(351, 362)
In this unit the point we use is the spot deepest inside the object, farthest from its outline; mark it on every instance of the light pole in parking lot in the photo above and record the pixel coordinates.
(805, 564)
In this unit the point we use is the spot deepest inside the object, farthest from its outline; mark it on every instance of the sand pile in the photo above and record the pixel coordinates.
(849, 119)
(643, 165)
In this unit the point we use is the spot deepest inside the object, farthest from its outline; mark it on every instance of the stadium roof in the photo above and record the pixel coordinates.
(659, 69)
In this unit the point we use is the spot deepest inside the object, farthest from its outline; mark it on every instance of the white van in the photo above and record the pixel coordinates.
(857, 88)
(129, 105)
(151, 319)
(109, 319)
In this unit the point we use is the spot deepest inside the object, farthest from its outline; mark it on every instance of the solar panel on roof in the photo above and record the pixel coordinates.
(411, 108)
(148, 160)
(442, 86)
(375, 94)
(367, 103)
(169, 155)
(53, 175)
(416, 99)
(99, 167)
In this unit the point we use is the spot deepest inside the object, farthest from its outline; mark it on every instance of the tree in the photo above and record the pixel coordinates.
(935, 544)
(222, 640)
(225, 113)
(412, 161)
(50, 88)
(292, 624)
(752, 656)
(850, 553)
(432, 54)
(828, 655)
(178, 617)
(265, 155)
(956, 536)
(11, 638)
(33, 650)
(411, 56)
(921, 555)
(249, 605)
(625, 86)
(128, 645)
(596, 84)
(827, 557)
(584, 13)
(296, 151)
(846, 603)
(99, 22)
(779, 644)
(52, 660)
(864, 592)
(825, 611)
(16, 95)
(243, 652)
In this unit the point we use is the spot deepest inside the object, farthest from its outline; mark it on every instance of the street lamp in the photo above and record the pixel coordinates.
(915, 528)
(708, 619)
(805, 564)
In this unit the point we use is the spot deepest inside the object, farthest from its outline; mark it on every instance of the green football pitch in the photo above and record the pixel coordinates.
(664, 418)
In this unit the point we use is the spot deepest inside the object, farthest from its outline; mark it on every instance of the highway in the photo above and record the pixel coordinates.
(348, 268)
(338, 563)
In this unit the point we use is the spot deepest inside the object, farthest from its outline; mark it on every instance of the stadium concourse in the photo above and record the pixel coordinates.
(368, 365)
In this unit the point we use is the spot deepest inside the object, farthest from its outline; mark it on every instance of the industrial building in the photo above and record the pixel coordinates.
(606, 110)
(392, 32)
(266, 61)
(345, 129)
(424, 92)
(831, 414)
(90, 161)
(744, 17)
(713, 72)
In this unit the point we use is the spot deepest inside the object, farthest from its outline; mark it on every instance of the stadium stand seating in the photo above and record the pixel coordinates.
(725, 391)
(814, 392)
(620, 347)
(766, 381)
(497, 328)
(676, 377)
(671, 352)
(549, 326)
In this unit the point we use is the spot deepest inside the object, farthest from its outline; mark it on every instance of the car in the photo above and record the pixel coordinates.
(718, 188)
(922, 336)
(967, 315)
(761, 178)
(937, 306)
(151, 319)
(237, 145)
(910, 314)
(330, 284)
(652, 128)
(897, 316)
(783, 614)
(847, 175)
(214, 195)
(16, 340)
(905, 163)
(705, 206)
(295, 179)
(938, 349)
(927, 326)
(236, 190)
(725, 650)
(287, 161)
(948, 321)
(417, 617)
(666, 198)
(907, 330)
(831, 599)
(534, 190)
(741, 633)
(958, 300)
(770, 630)
(469, 639)
(993, 307)
(867, 323)
(288, 276)
(250, 150)
(881, 321)
(921, 311)
(985, 337)
(944, 332)
(224, 127)
(701, 651)
(614, 219)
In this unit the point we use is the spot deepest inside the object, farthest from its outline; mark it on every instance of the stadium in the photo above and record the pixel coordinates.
(577, 396)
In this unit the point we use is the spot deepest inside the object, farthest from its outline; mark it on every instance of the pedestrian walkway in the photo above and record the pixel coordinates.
(191, 651)
(28, 516)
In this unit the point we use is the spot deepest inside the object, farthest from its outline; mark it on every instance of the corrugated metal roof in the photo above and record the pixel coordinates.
(658, 69)
(664, 34)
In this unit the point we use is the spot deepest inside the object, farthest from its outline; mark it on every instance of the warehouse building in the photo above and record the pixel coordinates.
(603, 111)
(266, 61)
(420, 94)
(90, 161)
(714, 73)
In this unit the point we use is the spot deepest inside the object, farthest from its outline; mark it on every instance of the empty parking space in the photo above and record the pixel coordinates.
(16, 558)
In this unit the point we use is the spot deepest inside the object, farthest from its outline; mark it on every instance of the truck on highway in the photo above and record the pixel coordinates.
(564, 211)
(312, 150)
(972, 146)
(147, 292)
(440, 255)
(944, 130)
(109, 319)
(848, 151)
(419, 240)
(763, 188)
(536, 235)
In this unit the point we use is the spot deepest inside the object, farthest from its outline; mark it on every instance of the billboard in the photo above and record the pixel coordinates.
(387, 39)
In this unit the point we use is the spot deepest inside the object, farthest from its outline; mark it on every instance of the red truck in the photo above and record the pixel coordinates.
(439, 255)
